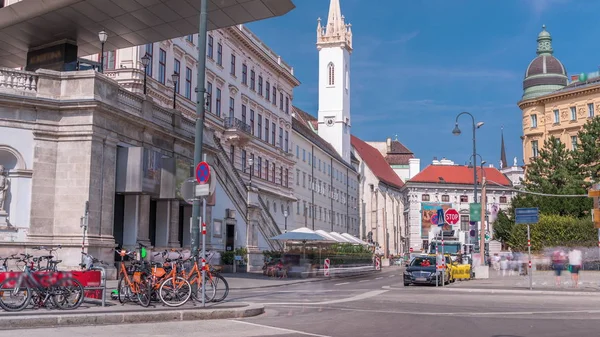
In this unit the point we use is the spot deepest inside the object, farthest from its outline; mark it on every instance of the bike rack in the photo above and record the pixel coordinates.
(102, 286)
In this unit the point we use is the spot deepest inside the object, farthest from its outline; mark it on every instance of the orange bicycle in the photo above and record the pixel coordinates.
(173, 290)
(136, 288)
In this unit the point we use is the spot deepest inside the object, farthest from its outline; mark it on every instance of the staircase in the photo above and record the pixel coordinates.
(236, 189)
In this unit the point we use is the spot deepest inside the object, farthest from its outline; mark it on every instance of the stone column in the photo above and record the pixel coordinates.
(43, 185)
(143, 233)
(174, 225)
(108, 193)
(163, 222)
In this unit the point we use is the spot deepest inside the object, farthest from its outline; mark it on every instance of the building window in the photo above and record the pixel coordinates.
(287, 105)
(287, 138)
(267, 130)
(303, 155)
(177, 70)
(209, 96)
(464, 223)
(534, 121)
(231, 107)
(573, 113)
(150, 53)
(556, 116)
(534, 148)
(281, 175)
(331, 74)
(218, 103)
(109, 60)
(267, 90)
(274, 95)
(297, 152)
(244, 160)
(304, 179)
(220, 54)
(252, 121)
(574, 143)
(244, 74)
(445, 198)
(210, 47)
(425, 197)
(259, 135)
(273, 173)
(162, 65)
(273, 133)
(590, 110)
(297, 177)
(252, 167)
(280, 137)
(298, 207)
(190, 38)
(243, 113)
(232, 71)
(232, 154)
(503, 199)
(260, 85)
(252, 80)
(267, 170)
(464, 198)
(286, 178)
(281, 101)
(259, 167)
(188, 83)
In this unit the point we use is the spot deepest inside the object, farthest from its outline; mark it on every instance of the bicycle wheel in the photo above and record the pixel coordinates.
(221, 287)
(144, 294)
(209, 292)
(21, 296)
(124, 291)
(67, 293)
(175, 293)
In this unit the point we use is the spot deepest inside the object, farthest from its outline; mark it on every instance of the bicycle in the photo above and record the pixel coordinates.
(43, 290)
(173, 290)
(138, 286)
(51, 264)
(194, 278)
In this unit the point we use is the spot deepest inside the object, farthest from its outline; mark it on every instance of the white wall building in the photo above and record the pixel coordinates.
(249, 105)
(399, 157)
(447, 185)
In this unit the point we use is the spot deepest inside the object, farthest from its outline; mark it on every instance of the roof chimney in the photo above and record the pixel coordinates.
(388, 142)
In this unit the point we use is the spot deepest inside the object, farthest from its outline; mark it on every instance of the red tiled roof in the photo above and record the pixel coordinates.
(376, 162)
(458, 174)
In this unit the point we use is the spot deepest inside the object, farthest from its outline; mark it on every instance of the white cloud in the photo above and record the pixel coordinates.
(381, 70)
(539, 7)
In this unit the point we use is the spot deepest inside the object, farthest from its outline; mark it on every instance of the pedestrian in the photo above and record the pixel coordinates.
(575, 262)
(558, 264)
(504, 265)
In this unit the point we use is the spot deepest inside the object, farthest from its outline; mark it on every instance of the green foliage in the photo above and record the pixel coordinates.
(227, 258)
(503, 227)
(270, 255)
(588, 151)
(552, 231)
(555, 171)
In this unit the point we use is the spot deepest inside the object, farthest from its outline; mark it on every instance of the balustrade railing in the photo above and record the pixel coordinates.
(19, 80)
(234, 123)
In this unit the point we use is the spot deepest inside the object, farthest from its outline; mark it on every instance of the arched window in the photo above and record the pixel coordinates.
(331, 73)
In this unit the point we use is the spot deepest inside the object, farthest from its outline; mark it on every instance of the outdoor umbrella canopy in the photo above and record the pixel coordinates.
(341, 238)
(326, 235)
(300, 234)
(354, 238)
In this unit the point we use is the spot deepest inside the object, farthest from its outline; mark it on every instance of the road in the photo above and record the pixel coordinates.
(378, 305)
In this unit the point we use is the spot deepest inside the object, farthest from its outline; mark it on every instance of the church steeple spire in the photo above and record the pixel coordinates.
(335, 31)
(503, 163)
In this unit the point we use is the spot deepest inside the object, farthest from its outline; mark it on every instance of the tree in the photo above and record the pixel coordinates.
(503, 227)
(588, 151)
(555, 171)
(554, 231)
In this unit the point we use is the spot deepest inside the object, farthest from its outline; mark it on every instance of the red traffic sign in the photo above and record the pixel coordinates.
(411, 249)
(452, 217)
(202, 173)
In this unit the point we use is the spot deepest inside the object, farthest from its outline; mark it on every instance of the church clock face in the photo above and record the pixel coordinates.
(329, 121)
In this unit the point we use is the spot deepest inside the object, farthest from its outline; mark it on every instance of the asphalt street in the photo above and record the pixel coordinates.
(379, 305)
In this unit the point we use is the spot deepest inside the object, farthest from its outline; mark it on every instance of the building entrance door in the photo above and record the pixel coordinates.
(230, 238)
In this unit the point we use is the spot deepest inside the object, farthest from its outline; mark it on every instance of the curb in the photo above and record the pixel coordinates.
(33, 320)
(520, 291)
(319, 279)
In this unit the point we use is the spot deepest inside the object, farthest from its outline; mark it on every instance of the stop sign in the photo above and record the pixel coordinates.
(410, 249)
(452, 217)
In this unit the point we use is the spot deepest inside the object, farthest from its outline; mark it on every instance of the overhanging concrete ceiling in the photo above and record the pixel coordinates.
(32, 23)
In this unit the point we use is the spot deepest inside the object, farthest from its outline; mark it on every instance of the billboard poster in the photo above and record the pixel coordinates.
(428, 210)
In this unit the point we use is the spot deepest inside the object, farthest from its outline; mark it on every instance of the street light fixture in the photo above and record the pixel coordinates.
(103, 36)
(175, 78)
(251, 163)
(285, 216)
(145, 63)
(457, 132)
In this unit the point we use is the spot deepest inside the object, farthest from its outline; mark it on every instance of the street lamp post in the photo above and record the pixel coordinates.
(457, 132)
(251, 163)
(285, 216)
(175, 78)
(145, 63)
(103, 36)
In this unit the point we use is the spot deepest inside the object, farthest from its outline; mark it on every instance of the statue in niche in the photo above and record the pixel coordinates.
(4, 184)
(501, 163)
(515, 161)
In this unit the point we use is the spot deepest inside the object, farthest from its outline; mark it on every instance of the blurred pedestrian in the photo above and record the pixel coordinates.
(575, 262)
(504, 265)
(558, 264)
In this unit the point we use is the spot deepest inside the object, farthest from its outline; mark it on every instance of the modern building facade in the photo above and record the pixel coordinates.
(553, 105)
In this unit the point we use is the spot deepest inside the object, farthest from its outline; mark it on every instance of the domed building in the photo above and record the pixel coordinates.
(553, 104)
(545, 73)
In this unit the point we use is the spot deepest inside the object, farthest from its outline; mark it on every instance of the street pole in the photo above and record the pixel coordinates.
(482, 230)
(529, 250)
(198, 141)
(204, 248)
(443, 259)
(437, 281)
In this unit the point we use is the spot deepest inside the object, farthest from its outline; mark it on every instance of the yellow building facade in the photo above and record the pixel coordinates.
(551, 104)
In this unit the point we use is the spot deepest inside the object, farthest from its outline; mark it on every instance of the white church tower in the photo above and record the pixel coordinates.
(334, 42)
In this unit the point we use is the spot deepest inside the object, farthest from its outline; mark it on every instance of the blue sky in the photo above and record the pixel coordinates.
(417, 64)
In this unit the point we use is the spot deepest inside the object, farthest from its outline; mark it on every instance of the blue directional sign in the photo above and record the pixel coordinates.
(441, 220)
(202, 173)
(527, 215)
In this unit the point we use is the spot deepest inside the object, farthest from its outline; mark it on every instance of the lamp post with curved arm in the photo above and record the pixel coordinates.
(457, 132)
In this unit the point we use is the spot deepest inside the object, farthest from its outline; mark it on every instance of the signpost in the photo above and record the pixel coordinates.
(326, 267)
(441, 223)
(452, 217)
(202, 175)
(528, 216)
(594, 192)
